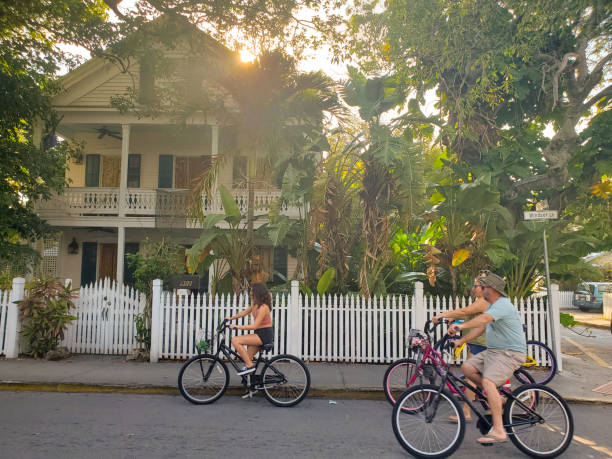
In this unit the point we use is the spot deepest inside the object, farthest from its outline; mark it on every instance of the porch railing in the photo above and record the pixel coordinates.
(164, 203)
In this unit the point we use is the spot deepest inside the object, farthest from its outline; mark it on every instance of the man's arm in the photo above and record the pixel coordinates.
(474, 332)
(478, 306)
(477, 322)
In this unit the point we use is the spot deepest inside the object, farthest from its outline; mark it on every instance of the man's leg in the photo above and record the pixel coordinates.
(495, 403)
(472, 373)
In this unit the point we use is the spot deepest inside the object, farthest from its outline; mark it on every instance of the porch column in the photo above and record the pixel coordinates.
(120, 253)
(125, 151)
(215, 153)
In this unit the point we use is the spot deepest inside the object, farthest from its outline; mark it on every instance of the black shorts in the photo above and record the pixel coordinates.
(266, 335)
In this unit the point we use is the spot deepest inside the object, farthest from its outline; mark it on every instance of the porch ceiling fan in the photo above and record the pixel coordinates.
(104, 131)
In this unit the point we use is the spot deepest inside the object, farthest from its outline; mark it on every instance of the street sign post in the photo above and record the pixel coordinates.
(546, 215)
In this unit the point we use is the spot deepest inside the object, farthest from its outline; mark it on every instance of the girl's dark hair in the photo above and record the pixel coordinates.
(261, 294)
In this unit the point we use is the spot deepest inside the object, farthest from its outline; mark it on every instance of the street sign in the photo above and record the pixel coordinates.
(541, 215)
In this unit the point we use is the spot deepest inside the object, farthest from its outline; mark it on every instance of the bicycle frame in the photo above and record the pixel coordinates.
(231, 356)
(449, 379)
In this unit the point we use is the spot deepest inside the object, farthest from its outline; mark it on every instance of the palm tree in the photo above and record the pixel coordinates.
(273, 110)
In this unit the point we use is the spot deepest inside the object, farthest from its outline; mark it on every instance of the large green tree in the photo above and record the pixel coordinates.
(31, 165)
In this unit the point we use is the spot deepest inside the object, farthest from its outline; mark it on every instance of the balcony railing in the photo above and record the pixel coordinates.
(163, 204)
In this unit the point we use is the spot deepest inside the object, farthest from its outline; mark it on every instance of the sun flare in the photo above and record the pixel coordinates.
(246, 55)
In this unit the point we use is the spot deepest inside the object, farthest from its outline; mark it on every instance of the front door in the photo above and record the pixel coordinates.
(108, 261)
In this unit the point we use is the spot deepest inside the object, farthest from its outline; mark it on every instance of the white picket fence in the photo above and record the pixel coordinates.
(4, 303)
(105, 319)
(331, 328)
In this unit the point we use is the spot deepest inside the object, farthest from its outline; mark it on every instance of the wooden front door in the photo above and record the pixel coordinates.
(108, 261)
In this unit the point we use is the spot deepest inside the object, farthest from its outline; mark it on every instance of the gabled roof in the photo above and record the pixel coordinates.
(93, 83)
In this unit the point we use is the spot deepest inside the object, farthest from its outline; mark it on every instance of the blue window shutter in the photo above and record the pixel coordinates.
(133, 177)
(164, 178)
(89, 263)
(130, 247)
(92, 170)
(280, 264)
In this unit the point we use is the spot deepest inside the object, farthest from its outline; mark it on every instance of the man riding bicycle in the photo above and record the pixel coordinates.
(506, 348)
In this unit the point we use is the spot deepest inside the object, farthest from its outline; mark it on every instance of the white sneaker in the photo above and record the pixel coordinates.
(246, 371)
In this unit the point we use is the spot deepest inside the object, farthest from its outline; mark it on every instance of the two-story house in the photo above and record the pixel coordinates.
(136, 173)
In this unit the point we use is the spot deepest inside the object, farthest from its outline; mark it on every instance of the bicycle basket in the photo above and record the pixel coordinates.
(203, 341)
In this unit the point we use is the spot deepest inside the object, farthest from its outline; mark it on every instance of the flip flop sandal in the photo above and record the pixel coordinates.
(489, 439)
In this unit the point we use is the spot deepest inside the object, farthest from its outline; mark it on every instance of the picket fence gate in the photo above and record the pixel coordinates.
(104, 324)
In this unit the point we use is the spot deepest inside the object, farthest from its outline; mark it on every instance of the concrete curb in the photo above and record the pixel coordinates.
(341, 394)
(592, 325)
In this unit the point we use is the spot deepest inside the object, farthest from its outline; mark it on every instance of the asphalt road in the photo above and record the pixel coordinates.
(60, 425)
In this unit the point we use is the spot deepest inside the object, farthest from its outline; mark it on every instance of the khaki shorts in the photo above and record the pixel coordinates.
(497, 365)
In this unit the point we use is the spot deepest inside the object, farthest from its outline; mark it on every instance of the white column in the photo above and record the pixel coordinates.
(294, 316)
(419, 314)
(120, 253)
(214, 149)
(13, 326)
(556, 326)
(125, 151)
(156, 325)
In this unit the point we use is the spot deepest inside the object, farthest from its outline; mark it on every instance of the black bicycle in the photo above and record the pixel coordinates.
(429, 422)
(204, 378)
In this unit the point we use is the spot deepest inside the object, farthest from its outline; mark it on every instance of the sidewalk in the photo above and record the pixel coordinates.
(588, 319)
(109, 373)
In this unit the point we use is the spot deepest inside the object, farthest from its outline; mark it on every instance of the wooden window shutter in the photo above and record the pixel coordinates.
(181, 179)
(164, 177)
(111, 171)
(92, 170)
(89, 263)
(133, 175)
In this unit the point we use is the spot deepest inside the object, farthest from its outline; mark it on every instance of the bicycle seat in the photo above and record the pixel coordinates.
(266, 347)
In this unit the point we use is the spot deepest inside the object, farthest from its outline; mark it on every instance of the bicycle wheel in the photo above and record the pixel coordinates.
(537, 351)
(397, 377)
(286, 380)
(203, 379)
(421, 437)
(546, 437)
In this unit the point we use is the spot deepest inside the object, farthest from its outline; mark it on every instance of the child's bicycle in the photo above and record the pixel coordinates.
(204, 378)
(429, 422)
(420, 368)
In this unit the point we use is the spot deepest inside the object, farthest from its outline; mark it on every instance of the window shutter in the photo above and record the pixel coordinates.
(165, 174)
(133, 177)
(280, 264)
(181, 179)
(130, 248)
(92, 170)
(89, 263)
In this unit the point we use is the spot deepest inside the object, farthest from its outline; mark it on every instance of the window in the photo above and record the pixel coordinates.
(92, 170)
(166, 163)
(133, 175)
(189, 169)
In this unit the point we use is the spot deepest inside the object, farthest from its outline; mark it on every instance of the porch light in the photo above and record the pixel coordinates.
(73, 247)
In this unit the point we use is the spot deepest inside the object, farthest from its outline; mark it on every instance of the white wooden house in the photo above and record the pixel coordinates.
(136, 173)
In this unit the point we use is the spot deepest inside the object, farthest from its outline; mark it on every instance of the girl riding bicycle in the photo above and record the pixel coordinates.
(260, 309)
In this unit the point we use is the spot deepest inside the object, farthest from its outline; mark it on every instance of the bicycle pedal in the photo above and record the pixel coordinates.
(249, 394)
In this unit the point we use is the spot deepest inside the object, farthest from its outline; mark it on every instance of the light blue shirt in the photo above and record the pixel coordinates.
(506, 330)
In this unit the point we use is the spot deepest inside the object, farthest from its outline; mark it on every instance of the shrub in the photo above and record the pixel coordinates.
(45, 315)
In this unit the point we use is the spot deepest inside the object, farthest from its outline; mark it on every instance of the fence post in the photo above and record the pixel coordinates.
(556, 325)
(13, 326)
(294, 317)
(156, 325)
(419, 314)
